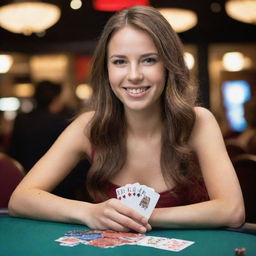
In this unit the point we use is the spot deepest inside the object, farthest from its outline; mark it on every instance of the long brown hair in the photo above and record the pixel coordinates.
(108, 125)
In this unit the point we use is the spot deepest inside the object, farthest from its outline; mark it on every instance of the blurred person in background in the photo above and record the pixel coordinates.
(247, 139)
(34, 132)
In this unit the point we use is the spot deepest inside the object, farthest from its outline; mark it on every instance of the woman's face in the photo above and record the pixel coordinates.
(136, 72)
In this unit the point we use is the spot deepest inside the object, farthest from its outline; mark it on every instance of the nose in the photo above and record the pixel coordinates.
(135, 74)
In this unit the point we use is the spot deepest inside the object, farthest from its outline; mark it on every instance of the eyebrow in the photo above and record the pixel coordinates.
(142, 56)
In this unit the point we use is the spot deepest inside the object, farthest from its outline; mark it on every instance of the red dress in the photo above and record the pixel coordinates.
(187, 195)
(194, 193)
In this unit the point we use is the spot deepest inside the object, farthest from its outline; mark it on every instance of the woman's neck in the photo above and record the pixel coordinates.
(144, 123)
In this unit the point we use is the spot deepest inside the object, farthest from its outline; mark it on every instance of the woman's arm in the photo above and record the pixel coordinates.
(225, 207)
(32, 197)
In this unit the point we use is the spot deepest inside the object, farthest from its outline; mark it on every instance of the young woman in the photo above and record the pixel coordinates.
(144, 127)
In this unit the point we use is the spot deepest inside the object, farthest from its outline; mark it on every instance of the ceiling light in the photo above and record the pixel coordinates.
(189, 60)
(76, 4)
(9, 104)
(233, 61)
(117, 5)
(48, 67)
(84, 91)
(180, 19)
(28, 16)
(5, 63)
(242, 10)
(24, 90)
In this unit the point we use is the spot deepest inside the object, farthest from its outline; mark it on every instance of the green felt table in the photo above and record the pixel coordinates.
(25, 237)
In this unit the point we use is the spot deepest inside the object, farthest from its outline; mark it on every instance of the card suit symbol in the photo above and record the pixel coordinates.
(138, 195)
(119, 198)
(129, 194)
(134, 194)
(124, 196)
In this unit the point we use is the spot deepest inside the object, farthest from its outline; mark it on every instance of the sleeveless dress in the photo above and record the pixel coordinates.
(190, 194)
(176, 197)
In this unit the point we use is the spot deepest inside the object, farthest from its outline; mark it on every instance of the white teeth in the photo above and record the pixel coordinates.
(136, 91)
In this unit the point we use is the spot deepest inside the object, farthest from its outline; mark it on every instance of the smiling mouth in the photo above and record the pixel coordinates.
(137, 90)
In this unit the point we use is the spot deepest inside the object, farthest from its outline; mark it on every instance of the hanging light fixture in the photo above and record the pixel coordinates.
(117, 5)
(242, 10)
(180, 19)
(28, 16)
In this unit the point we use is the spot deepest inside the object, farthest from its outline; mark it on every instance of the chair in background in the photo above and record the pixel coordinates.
(234, 150)
(11, 173)
(245, 166)
(252, 145)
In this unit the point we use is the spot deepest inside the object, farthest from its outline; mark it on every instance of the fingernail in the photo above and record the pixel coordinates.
(143, 230)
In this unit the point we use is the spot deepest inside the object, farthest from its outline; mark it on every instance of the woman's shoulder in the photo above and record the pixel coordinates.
(203, 113)
(205, 126)
(204, 118)
(79, 129)
(83, 119)
(85, 116)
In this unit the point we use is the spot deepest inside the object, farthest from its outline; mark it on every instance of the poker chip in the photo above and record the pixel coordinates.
(240, 251)
(84, 234)
(110, 239)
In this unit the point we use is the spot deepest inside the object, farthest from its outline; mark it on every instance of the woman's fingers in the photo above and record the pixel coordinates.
(127, 217)
(112, 214)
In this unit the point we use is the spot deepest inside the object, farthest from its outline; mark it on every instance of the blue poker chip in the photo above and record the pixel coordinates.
(92, 236)
(86, 235)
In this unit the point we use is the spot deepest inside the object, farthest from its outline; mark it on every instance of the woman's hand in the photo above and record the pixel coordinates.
(114, 215)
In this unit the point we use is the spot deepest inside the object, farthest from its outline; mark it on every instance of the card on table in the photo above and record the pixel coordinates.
(170, 244)
(110, 239)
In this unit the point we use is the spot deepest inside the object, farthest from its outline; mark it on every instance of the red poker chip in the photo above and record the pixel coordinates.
(240, 251)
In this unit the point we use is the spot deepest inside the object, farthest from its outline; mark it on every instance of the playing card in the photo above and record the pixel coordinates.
(120, 193)
(176, 244)
(146, 202)
(109, 239)
(130, 193)
(151, 241)
(68, 241)
(170, 244)
(139, 197)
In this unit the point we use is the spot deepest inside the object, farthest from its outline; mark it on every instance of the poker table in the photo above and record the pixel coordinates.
(26, 237)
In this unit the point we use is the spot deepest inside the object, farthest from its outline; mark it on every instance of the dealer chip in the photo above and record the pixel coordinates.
(240, 251)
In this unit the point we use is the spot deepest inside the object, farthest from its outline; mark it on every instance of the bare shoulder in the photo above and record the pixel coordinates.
(84, 118)
(77, 133)
(205, 127)
(203, 114)
(82, 122)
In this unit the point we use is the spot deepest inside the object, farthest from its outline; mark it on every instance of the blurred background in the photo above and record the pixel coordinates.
(54, 40)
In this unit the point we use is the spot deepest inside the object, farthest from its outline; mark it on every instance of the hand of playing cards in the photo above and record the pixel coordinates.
(138, 197)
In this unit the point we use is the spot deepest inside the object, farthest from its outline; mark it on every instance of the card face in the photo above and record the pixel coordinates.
(151, 241)
(145, 204)
(169, 244)
(177, 244)
(139, 197)
(120, 193)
